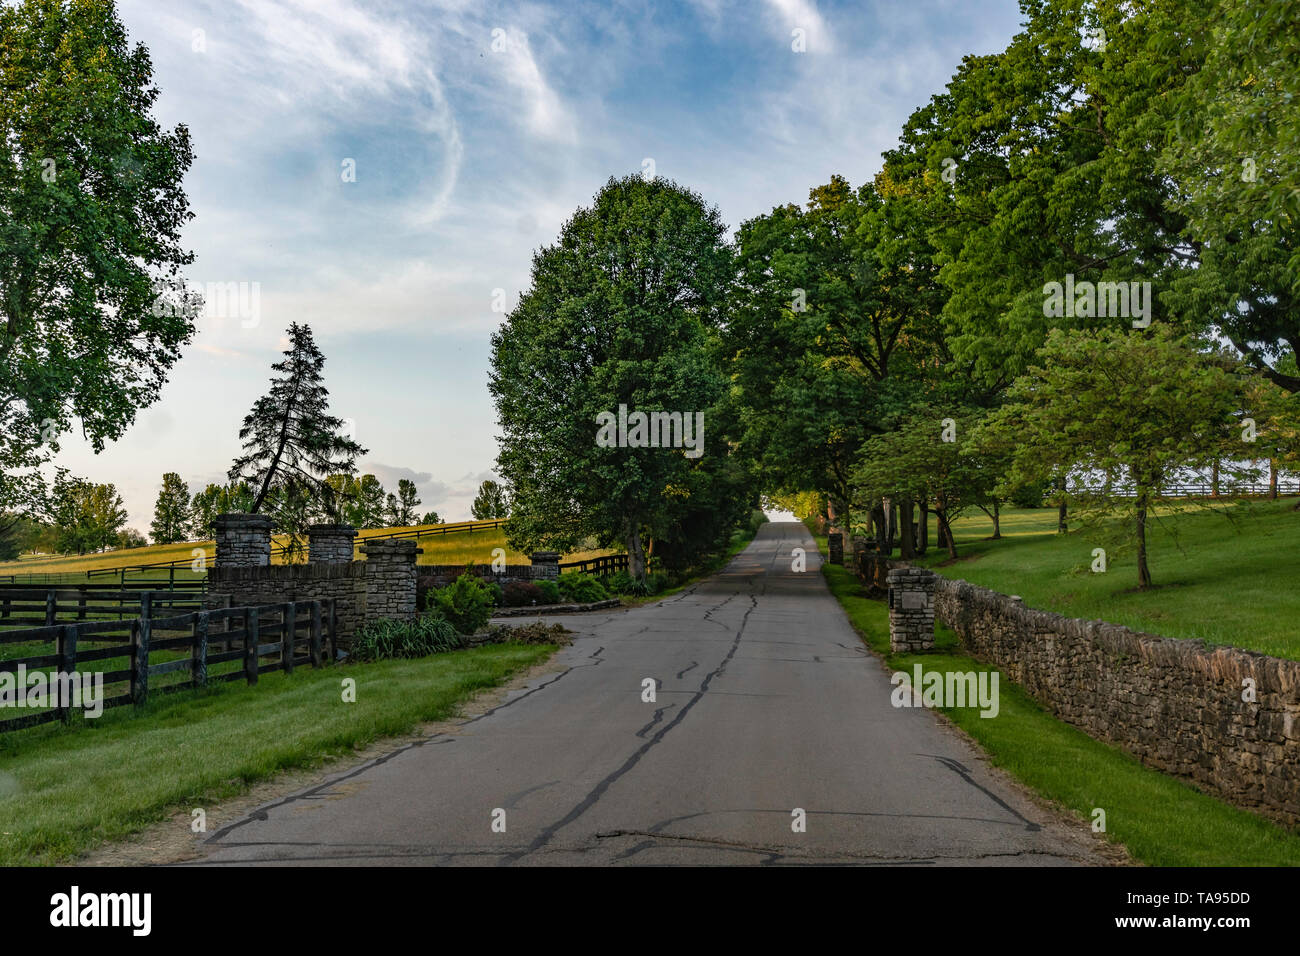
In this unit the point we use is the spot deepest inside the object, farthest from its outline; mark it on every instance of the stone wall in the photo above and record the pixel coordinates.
(911, 610)
(1175, 704)
(343, 583)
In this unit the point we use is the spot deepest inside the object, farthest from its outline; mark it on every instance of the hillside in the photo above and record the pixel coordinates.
(1226, 574)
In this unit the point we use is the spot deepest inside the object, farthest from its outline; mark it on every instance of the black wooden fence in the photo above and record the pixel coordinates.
(166, 654)
(609, 564)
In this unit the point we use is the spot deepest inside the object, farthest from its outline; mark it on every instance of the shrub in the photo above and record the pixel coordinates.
(523, 594)
(620, 582)
(387, 638)
(467, 602)
(579, 588)
(550, 591)
(656, 582)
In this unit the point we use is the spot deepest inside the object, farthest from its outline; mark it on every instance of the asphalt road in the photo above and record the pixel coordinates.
(766, 702)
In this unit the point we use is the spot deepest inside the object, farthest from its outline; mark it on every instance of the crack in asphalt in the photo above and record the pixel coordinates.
(601, 787)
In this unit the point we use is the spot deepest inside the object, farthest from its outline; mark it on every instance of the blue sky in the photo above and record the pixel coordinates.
(476, 129)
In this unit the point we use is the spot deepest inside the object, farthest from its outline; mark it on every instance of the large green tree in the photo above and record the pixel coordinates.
(91, 212)
(617, 321)
(1123, 412)
(171, 513)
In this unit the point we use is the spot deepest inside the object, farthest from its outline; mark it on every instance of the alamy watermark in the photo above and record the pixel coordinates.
(651, 430)
(946, 689)
(1127, 300)
(38, 689)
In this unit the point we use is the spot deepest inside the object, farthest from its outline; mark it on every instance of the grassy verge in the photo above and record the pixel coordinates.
(1250, 550)
(1162, 821)
(65, 790)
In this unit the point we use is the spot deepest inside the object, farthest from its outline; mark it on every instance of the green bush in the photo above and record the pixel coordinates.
(467, 602)
(387, 638)
(579, 588)
(620, 582)
(550, 591)
(657, 582)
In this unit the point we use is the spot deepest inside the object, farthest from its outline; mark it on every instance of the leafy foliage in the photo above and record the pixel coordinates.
(388, 638)
(578, 588)
(467, 602)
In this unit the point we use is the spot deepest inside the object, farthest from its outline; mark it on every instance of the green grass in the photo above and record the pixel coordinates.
(64, 790)
(1161, 820)
(1225, 581)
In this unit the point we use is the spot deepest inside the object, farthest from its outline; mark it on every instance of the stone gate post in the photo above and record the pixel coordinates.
(390, 579)
(911, 609)
(243, 541)
(330, 543)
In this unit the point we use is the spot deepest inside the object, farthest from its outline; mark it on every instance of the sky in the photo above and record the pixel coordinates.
(384, 171)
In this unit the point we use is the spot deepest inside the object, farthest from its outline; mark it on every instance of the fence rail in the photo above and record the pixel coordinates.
(1205, 489)
(608, 564)
(300, 633)
(20, 604)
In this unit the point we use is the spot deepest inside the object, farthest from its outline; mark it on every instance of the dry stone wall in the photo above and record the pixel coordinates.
(1224, 718)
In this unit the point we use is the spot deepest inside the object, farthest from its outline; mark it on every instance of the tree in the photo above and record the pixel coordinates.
(91, 212)
(834, 315)
(490, 502)
(360, 501)
(1122, 412)
(130, 538)
(1232, 150)
(86, 516)
(401, 506)
(431, 517)
(171, 513)
(292, 511)
(290, 439)
(216, 500)
(924, 461)
(615, 323)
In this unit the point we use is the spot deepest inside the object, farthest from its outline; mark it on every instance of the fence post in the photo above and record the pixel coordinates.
(140, 665)
(315, 633)
(67, 665)
(199, 650)
(81, 606)
(250, 645)
(289, 624)
(50, 604)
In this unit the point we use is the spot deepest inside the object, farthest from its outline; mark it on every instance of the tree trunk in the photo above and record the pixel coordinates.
(907, 546)
(1214, 479)
(635, 556)
(1144, 575)
(923, 539)
(945, 534)
(997, 520)
(891, 526)
(1060, 510)
(1272, 479)
(878, 522)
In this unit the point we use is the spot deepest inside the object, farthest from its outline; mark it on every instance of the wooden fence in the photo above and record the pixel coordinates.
(609, 564)
(21, 604)
(194, 649)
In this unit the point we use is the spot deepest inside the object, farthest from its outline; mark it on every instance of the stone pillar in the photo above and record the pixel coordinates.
(546, 565)
(911, 609)
(860, 551)
(243, 541)
(835, 544)
(330, 543)
(390, 579)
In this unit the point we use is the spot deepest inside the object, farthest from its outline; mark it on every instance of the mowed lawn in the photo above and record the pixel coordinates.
(1228, 580)
(63, 790)
(459, 547)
